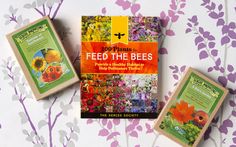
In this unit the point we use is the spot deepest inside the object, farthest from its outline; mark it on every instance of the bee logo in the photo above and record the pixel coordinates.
(119, 35)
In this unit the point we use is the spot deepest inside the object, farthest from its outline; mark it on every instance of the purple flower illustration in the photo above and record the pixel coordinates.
(133, 6)
(177, 73)
(21, 95)
(206, 45)
(108, 129)
(45, 7)
(167, 20)
(211, 48)
(17, 19)
(133, 127)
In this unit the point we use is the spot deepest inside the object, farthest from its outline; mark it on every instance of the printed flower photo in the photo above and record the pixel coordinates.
(47, 66)
(96, 28)
(143, 29)
(119, 93)
(184, 121)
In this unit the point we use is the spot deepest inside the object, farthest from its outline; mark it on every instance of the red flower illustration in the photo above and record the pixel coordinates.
(182, 112)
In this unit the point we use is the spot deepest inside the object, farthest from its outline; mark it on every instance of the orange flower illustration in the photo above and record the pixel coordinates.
(182, 112)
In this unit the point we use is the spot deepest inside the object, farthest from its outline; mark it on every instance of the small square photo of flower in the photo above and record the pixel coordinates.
(96, 28)
(143, 29)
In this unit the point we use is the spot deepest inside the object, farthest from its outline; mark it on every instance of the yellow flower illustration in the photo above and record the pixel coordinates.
(52, 56)
(39, 64)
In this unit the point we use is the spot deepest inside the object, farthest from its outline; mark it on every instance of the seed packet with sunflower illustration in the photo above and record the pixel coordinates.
(119, 67)
(42, 58)
(190, 110)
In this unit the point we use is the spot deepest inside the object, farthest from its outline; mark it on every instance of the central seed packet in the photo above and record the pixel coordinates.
(119, 67)
(191, 108)
(42, 58)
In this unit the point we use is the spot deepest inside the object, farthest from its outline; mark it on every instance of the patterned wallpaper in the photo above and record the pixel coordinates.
(200, 33)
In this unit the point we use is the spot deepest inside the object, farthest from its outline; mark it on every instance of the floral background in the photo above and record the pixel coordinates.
(119, 93)
(198, 33)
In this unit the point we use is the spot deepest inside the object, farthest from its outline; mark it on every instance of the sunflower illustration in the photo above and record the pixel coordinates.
(39, 64)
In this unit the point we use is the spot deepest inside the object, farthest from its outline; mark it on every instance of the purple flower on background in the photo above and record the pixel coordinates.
(167, 20)
(133, 6)
(22, 94)
(226, 124)
(104, 11)
(234, 139)
(206, 45)
(177, 72)
(132, 129)
(227, 28)
(12, 17)
(108, 129)
(45, 8)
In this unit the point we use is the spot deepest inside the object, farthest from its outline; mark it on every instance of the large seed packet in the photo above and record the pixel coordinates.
(42, 58)
(191, 108)
(119, 67)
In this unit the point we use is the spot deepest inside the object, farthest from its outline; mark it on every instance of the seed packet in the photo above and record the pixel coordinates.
(42, 58)
(119, 67)
(191, 108)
